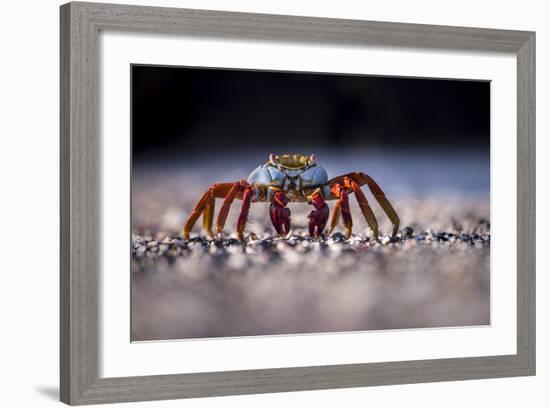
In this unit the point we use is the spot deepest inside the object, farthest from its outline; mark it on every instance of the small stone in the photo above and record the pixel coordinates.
(198, 240)
(161, 236)
(266, 245)
(179, 243)
(139, 241)
(152, 244)
(232, 241)
(408, 232)
(174, 251)
(218, 243)
(421, 236)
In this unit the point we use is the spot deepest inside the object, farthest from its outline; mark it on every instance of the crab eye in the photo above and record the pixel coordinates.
(273, 159)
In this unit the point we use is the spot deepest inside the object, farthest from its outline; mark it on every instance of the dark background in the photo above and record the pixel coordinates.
(182, 111)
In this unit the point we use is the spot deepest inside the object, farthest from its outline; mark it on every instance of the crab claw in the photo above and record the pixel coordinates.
(279, 213)
(319, 216)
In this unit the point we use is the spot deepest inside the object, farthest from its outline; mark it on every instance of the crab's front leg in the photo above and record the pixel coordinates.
(279, 213)
(319, 216)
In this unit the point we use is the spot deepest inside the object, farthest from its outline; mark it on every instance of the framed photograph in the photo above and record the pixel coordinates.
(261, 203)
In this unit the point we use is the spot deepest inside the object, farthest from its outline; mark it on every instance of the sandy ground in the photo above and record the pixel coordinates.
(434, 274)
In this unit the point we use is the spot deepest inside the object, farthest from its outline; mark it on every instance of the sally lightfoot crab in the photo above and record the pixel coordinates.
(292, 178)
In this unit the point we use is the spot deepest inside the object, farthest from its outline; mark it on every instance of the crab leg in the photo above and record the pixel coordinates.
(362, 179)
(341, 190)
(243, 217)
(365, 209)
(205, 206)
(208, 216)
(224, 210)
(195, 214)
(383, 201)
(346, 214)
(335, 216)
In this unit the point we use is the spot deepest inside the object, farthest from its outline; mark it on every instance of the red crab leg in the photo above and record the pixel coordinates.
(279, 213)
(341, 191)
(208, 216)
(318, 217)
(365, 209)
(362, 179)
(219, 190)
(335, 217)
(383, 201)
(346, 214)
(195, 214)
(224, 210)
(241, 224)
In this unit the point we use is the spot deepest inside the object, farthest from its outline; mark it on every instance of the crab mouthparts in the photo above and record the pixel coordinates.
(292, 161)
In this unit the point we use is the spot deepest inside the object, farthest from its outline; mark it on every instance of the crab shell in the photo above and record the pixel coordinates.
(296, 175)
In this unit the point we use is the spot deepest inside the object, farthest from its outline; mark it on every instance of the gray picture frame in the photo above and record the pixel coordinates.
(80, 234)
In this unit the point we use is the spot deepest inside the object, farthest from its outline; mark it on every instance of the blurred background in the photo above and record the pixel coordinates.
(186, 111)
(425, 141)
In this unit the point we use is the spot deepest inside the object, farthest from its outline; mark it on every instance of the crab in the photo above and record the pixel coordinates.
(292, 178)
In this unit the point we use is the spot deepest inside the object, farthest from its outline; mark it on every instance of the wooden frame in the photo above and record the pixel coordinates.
(80, 26)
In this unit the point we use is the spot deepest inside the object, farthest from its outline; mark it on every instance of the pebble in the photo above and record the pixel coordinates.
(180, 243)
(299, 247)
(152, 244)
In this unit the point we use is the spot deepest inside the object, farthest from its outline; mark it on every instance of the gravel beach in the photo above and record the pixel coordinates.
(435, 273)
